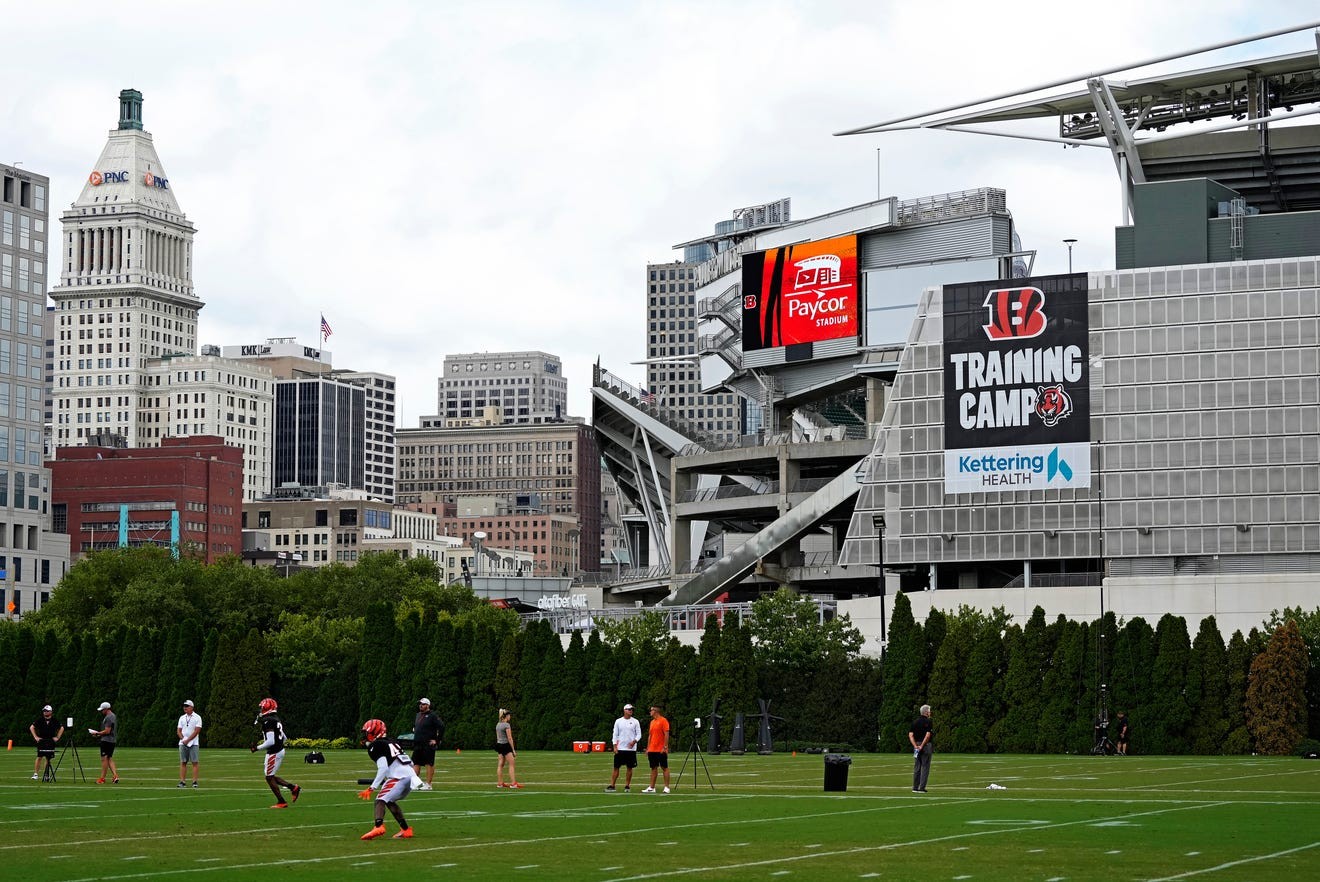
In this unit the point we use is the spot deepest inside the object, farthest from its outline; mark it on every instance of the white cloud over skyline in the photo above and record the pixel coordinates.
(457, 177)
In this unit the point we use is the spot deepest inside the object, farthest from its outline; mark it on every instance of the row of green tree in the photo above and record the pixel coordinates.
(339, 645)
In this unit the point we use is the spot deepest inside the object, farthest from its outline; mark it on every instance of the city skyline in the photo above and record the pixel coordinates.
(511, 210)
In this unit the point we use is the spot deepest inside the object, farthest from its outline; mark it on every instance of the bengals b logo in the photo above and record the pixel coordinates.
(1014, 313)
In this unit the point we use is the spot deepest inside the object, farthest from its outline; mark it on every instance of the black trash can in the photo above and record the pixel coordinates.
(836, 772)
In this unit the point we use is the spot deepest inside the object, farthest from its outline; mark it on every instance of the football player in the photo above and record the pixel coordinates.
(272, 733)
(394, 779)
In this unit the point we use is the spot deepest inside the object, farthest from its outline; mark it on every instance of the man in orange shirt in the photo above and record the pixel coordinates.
(657, 748)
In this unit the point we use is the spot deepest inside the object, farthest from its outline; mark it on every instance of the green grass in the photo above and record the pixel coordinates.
(767, 818)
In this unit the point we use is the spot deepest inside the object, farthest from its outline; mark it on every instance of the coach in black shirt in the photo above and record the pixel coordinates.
(46, 730)
(920, 736)
(428, 729)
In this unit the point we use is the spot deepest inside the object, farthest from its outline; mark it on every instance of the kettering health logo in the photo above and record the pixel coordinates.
(1015, 470)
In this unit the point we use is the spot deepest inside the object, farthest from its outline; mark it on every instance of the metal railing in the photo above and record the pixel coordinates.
(680, 618)
(730, 491)
(646, 402)
(1059, 580)
(961, 203)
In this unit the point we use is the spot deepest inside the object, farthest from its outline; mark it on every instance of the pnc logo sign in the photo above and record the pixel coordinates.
(156, 181)
(97, 178)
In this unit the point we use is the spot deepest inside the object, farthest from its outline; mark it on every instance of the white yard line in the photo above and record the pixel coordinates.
(1238, 863)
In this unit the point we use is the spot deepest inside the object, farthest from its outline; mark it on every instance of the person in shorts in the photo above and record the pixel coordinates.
(506, 750)
(46, 730)
(428, 729)
(627, 732)
(394, 779)
(657, 748)
(107, 739)
(1124, 734)
(189, 730)
(272, 735)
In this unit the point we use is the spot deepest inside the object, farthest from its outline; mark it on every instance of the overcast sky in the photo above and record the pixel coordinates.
(443, 177)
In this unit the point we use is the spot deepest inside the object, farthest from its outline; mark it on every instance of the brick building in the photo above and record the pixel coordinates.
(199, 476)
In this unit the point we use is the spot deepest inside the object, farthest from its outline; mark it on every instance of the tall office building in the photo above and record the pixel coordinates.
(33, 558)
(378, 450)
(126, 293)
(290, 360)
(527, 387)
(320, 433)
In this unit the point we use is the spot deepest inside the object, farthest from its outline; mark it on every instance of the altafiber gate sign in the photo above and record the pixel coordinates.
(1017, 402)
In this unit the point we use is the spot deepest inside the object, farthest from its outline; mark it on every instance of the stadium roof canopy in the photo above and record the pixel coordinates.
(1230, 108)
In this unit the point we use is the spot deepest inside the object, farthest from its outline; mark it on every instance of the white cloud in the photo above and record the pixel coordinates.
(451, 177)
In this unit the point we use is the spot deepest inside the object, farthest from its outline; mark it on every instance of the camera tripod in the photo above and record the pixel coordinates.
(76, 759)
(694, 754)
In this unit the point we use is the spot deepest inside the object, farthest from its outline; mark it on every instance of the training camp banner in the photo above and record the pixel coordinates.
(1017, 404)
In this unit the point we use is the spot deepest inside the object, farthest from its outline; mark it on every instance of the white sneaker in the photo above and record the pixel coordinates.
(649, 790)
(666, 790)
(35, 777)
(423, 786)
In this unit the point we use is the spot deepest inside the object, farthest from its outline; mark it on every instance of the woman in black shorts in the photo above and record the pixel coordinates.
(507, 752)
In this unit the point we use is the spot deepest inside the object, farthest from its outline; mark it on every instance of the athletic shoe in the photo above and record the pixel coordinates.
(515, 786)
(373, 833)
(181, 784)
(280, 804)
(404, 834)
(423, 786)
(666, 790)
(36, 778)
(295, 793)
(609, 789)
(100, 780)
(116, 781)
(500, 784)
(627, 790)
(649, 790)
(915, 790)
(194, 784)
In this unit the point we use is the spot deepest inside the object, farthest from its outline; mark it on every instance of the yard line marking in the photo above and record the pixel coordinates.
(1191, 854)
(136, 857)
(886, 847)
(738, 844)
(608, 869)
(780, 873)
(527, 867)
(961, 848)
(514, 842)
(1115, 851)
(1238, 863)
(438, 866)
(208, 860)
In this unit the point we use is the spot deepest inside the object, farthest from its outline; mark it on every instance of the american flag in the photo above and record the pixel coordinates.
(325, 328)
(647, 397)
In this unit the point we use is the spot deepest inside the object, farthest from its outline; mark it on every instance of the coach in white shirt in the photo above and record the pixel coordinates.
(190, 730)
(627, 732)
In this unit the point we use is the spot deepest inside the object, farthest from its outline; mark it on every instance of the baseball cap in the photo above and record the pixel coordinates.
(627, 707)
(48, 708)
(105, 705)
(425, 701)
(188, 703)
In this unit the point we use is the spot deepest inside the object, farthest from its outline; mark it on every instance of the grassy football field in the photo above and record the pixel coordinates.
(766, 818)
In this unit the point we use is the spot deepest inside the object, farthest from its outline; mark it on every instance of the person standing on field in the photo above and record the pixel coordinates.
(627, 732)
(508, 752)
(190, 733)
(106, 737)
(657, 748)
(46, 730)
(922, 748)
(428, 729)
(1124, 733)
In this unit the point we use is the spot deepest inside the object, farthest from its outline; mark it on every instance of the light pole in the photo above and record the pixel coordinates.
(878, 521)
(1070, 243)
(477, 538)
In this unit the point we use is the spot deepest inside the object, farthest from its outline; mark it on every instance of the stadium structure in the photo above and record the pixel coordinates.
(933, 417)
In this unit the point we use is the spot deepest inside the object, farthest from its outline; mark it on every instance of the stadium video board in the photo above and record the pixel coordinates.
(1017, 394)
(802, 293)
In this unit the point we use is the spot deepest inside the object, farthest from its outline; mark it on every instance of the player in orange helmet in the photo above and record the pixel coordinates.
(272, 732)
(394, 779)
